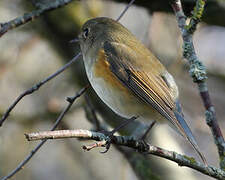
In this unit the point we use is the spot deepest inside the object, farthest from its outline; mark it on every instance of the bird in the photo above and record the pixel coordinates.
(128, 78)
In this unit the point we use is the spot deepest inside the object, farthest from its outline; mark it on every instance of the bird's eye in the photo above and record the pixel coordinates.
(85, 33)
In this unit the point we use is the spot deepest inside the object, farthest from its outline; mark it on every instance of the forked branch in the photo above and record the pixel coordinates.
(129, 141)
(198, 70)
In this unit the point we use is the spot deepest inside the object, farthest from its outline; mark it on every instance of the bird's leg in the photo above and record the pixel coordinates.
(110, 134)
(126, 122)
(143, 137)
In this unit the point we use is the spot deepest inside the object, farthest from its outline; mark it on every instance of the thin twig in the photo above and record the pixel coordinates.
(62, 114)
(27, 17)
(125, 10)
(60, 134)
(94, 145)
(36, 87)
(129, 141)
(198, 70)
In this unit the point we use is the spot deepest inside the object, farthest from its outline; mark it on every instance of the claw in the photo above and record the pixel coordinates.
(108, 144)
(106, 148)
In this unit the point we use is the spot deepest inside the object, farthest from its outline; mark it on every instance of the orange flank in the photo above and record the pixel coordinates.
(102, 70)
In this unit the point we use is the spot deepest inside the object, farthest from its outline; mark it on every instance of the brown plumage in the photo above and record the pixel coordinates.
(128, 77)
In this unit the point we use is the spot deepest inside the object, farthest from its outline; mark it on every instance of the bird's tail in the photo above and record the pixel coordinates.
(186, 132)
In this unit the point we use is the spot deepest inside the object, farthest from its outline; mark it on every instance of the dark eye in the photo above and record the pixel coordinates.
(86, 32)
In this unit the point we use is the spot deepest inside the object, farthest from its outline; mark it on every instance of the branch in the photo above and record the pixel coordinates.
(139, 145)
(125, 10)
(35, 88)
(198, 70)
(27, 17)
(152, 6)
(215, 9)
(26, 160)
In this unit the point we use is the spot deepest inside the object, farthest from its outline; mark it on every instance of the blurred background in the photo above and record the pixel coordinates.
(32, 52)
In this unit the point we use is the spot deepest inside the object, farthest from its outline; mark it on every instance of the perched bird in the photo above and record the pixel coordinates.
(129, 78)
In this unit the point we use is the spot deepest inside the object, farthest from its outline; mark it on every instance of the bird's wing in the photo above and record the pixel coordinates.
(149, 85)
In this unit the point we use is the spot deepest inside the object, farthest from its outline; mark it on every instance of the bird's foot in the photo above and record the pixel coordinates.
(111, 133)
